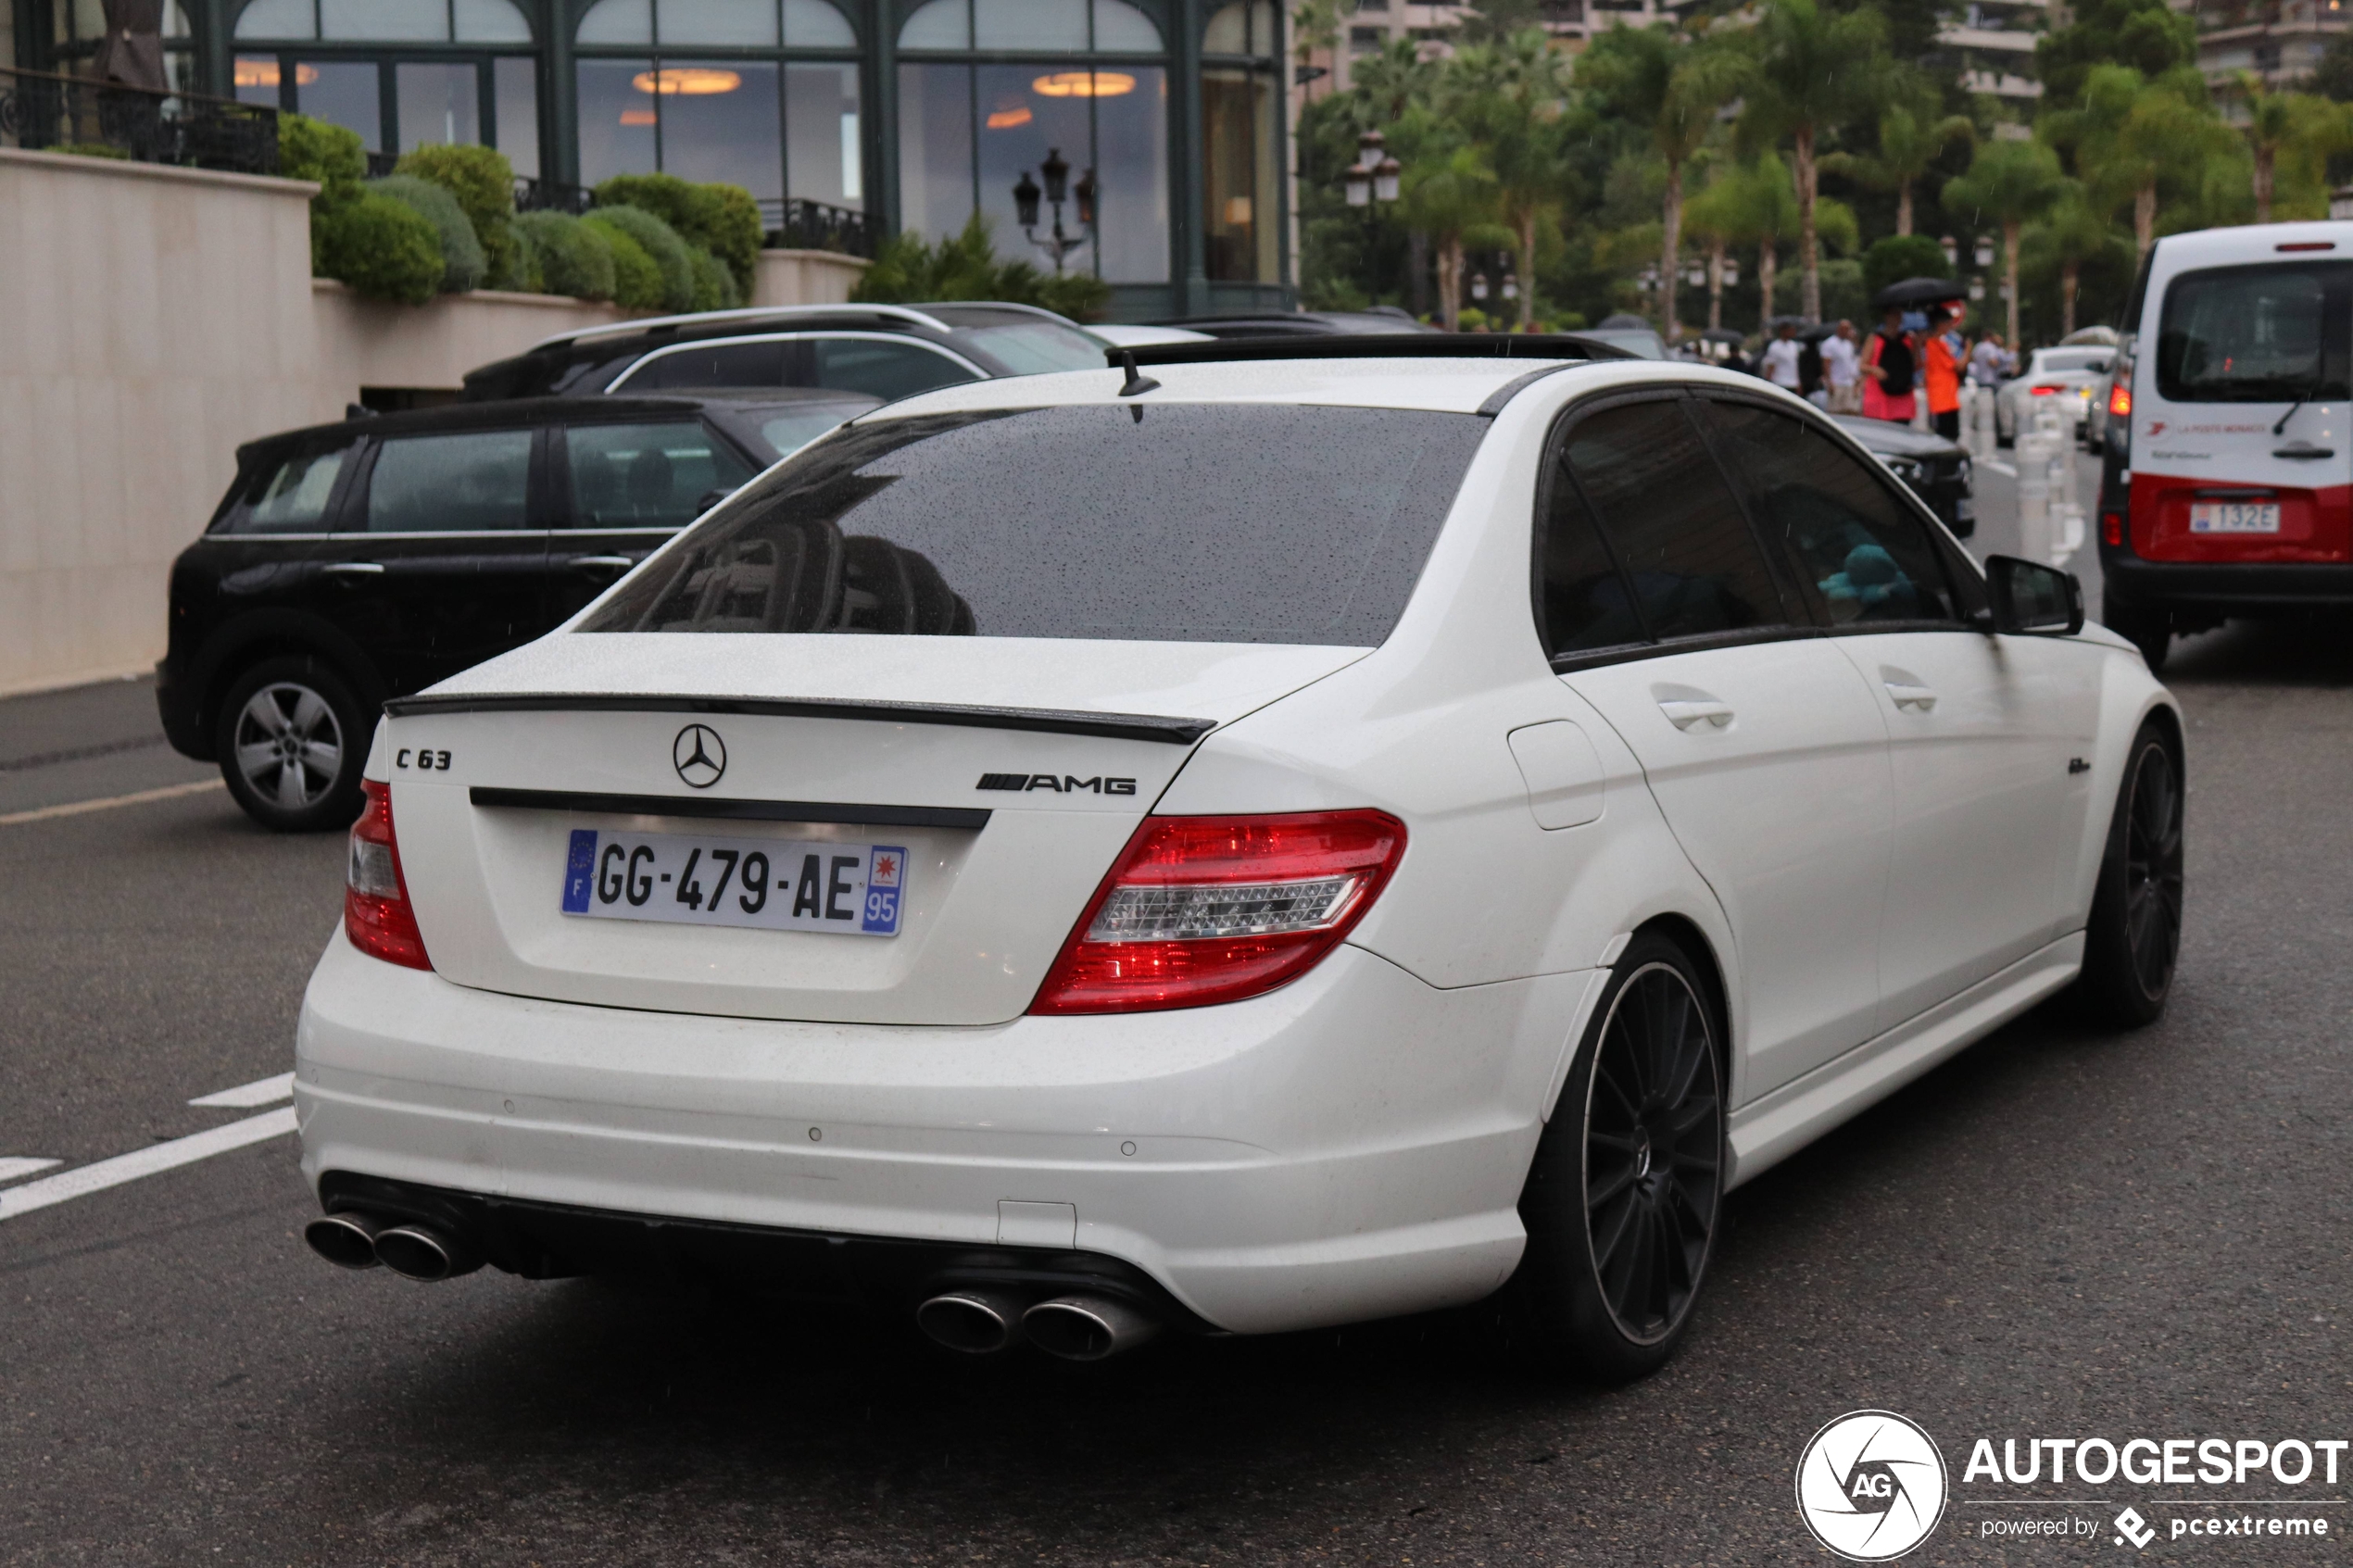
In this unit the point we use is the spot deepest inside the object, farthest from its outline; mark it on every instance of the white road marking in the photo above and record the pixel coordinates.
(245, 1097)
(13, 1166)
(2001, 468)
(140, 798)
(83, 1180)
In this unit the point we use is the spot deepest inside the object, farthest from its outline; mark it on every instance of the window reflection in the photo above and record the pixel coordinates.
(515, 86)
(435, 104)
(823, 157)
(343, 93)
(1238, 154)
(719, 122)
(935, 149)
(616, 121)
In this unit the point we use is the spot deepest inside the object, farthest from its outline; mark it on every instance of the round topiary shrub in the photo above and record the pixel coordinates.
(662, 244)
(384, 248)
(573, 257)
(313, 149)
(483, 183)
(722, 219)
(714, 285)
(461, 256)
(637, 280)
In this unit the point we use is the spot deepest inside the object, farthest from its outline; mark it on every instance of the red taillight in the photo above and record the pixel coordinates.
(1202, 909)
(2112, 528)
(2042, 391)
(376, 915)
(2119, 402)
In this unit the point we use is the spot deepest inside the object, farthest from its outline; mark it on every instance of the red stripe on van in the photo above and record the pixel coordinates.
(2315, 525)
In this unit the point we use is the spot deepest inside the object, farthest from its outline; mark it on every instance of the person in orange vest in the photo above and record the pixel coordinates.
(1941, 368)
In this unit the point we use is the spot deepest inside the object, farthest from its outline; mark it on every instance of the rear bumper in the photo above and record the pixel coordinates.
(2191, 585)
(175, 705)
(1350, 1147)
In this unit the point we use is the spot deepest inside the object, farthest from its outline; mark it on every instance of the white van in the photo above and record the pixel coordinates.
(2228, 484)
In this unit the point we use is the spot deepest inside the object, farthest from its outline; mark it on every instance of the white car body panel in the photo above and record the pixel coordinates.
(1349, 1146)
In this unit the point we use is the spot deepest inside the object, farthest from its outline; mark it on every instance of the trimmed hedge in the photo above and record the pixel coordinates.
(483, 183)
(313, 149)
(463, 261)
(908, 270)
(714, 285)
(637, 280)
(723, 219)
(382, 248)
(571, 256)
(673, 289)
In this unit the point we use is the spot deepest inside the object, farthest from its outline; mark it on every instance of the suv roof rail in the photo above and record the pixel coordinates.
(1372, 346)
(748, 313)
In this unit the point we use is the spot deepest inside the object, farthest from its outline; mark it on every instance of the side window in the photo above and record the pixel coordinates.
(880, 369)
(1684, 552)
(720, 364)
(289, 495)
(1586, 603)
(646, 475)
(477, 481)
(1858, 550)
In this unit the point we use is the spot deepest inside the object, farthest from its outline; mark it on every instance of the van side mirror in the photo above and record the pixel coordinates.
(2034, 599)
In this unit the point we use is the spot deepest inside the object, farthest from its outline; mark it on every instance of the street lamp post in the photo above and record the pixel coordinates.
(1057, 243)
(1371, 184)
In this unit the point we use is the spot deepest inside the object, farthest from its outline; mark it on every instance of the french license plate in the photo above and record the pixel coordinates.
(2235, 517)
(775, 884)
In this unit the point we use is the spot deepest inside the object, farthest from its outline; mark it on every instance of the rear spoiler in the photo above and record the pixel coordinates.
(1112, 726)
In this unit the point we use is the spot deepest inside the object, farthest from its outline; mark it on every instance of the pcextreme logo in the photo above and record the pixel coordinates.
(1870, 1486)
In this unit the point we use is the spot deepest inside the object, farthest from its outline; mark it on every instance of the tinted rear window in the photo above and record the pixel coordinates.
(284, 495)
(2254, 335)
(1191, 524)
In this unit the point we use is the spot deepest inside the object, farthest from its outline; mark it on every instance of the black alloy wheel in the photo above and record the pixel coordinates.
(2134, 937)
(1623, 1200)
(293, 741)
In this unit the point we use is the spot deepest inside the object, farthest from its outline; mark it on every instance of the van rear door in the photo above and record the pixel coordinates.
(2241, 450)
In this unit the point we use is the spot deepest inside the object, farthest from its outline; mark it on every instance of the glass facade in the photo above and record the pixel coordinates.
(1166, 116)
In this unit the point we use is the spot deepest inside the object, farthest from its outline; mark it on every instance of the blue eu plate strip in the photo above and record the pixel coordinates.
(580, 869)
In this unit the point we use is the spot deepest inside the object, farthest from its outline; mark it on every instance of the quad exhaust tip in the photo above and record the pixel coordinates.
(1085, 1328)
(413, 1250)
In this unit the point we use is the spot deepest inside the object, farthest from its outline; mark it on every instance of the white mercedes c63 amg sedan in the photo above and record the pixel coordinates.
(1323, 834)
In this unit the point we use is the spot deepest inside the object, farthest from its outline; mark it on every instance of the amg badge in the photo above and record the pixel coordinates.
(1062, 785)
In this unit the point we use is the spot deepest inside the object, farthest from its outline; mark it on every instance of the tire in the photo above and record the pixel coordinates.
(1621, 1169)
(291, 740)
(2147, 627)
(2134, 934)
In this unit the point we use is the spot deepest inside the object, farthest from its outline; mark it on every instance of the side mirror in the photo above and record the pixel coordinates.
(2034, 599)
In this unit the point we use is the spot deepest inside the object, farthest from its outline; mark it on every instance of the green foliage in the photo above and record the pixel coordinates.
(483, 183)
(332, 157)
(89, 149)
(636, 278)
(906, 270)
(714, 285)
(1898, 256)
(461, 257)
(2332, 78)
(662, 246)
(723, 219)
(2148, 36)
(571, 257)
(382, 248)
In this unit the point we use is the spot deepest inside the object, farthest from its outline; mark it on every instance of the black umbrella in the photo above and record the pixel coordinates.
(1919, 290)
(1723, 334)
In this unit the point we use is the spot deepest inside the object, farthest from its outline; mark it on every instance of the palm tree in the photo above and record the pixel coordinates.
(1445, 193)
(1649, 77)
(2012, 182)
(1909, 147)
(2132, 136)
(1510, 98)
(2292, 133)
(2075, 232)
(1392, 80)
(1811, 69)
(1751, 203)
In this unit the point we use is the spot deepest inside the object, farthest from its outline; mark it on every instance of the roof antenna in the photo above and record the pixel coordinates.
(1137, 383)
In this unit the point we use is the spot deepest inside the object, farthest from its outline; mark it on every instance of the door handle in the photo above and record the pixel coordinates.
(2303, 452)
(353, 568)
(1684, 714)
(1919, 697)
(600, 563)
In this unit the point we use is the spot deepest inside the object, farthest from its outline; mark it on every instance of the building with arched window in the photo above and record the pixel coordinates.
(1164, 117)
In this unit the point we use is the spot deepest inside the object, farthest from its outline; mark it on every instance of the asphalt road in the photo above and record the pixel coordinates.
(2062, 1233)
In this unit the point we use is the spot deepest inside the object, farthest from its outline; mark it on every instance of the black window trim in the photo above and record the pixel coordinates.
(1788, 630)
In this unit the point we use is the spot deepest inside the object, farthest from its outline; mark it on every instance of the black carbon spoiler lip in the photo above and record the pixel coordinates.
(1153, 727)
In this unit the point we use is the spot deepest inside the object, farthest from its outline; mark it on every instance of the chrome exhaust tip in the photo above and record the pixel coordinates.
(421, 1252)
(1085, 1328)
(347, 1240)
(979, 1322)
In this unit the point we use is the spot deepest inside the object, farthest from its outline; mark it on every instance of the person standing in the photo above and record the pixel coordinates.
(1842, 372)
(1889, 367)
(1985, 361)
(1781, 358)
(1942, 373)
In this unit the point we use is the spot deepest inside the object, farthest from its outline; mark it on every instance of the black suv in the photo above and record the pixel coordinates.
(883, 351)
(359, 561)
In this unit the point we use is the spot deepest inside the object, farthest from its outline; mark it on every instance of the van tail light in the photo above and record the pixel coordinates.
(2112, 528)
(2043, 391)
(376, 915)
(1204, 909)
(2119, 402)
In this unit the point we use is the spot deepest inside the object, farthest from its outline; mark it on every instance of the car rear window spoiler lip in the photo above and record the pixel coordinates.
(1112, 726)
(968, 817)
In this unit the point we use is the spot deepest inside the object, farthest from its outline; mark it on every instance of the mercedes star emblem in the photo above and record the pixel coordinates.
(700, 755)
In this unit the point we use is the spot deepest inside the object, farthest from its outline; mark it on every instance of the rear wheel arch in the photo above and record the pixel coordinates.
(243, 645)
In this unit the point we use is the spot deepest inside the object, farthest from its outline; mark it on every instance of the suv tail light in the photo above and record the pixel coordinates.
(2043, 391)
(1203, 909)
(376, 915)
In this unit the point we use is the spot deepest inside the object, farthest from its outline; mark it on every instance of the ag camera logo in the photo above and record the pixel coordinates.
(1871, 1486)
